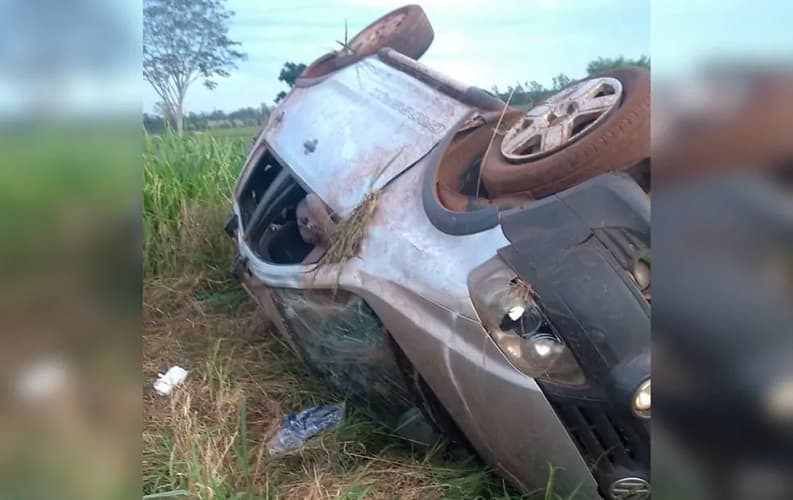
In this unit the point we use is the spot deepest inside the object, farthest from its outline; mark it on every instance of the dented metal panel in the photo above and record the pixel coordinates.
(359, 128)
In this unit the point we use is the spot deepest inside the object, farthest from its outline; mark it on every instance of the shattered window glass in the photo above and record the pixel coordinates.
(345, 345)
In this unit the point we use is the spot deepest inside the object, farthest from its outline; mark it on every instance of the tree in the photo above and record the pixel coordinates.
(536, 87)
(530, 93)
(162, 110)
(605, 63)
(289, 73)
(153, 123)
(184, 41)
(205, 120)
(561, 81)
(264, 113)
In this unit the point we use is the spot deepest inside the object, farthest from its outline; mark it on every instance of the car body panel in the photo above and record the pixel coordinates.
(358, 128)
(436, 264)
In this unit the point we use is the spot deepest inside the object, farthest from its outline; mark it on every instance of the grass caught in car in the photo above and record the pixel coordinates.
(208, 438)
(346, 240)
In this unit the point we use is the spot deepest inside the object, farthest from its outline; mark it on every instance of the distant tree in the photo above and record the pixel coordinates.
(523, 94)
(561, 81)
(247, 117)
(289, 73)
(530, 93)
(536, 87)
(184, 41)
(153, 123)
(163, 110)
(606, 63)
(264, 111)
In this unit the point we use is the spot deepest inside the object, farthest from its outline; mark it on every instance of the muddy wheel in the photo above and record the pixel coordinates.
(595, 125)
(406, 30)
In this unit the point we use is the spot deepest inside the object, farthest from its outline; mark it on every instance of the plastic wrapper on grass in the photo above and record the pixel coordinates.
(297, 427)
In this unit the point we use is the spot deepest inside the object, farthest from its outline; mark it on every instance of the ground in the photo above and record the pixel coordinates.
(208, 439)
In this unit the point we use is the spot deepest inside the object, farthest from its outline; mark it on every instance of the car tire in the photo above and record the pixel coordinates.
(620, 140)
(406, 30)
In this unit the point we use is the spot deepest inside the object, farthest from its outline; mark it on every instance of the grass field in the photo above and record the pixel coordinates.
(208, 439)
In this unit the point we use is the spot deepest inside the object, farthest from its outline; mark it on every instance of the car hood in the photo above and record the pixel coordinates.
(357, 129)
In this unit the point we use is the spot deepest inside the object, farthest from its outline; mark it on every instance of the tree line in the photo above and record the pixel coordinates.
(207, 120)
(528, 93)
(522, 94)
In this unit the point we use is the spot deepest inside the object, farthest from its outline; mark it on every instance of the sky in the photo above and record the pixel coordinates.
(478, 42)
(84, 56)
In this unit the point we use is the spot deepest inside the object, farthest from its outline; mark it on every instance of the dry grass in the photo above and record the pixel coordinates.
(208, 439)
(345, 242)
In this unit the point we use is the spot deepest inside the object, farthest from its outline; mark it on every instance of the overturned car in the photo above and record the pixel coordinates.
(428, 250)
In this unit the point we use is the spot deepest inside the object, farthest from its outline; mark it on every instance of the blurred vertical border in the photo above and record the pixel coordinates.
(70, 258)
(723, 254)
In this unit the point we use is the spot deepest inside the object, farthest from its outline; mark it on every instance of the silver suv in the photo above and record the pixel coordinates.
(436, 255)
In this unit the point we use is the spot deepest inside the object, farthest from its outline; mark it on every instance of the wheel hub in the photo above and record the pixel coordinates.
(561, 119)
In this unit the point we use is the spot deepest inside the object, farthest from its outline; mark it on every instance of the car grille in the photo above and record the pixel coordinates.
(608, 442)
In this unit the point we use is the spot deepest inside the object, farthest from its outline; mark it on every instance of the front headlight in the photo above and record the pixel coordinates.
(641, 400)
(518, 326)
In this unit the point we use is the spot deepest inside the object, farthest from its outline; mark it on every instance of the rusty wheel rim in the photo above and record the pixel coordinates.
(371, 37)
(562, 119)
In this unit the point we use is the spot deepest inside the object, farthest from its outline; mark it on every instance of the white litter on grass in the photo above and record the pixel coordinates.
(173, 377)
(42, 379)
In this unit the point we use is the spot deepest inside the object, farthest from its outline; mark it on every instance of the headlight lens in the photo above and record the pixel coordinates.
(641, 399)
(518, 326)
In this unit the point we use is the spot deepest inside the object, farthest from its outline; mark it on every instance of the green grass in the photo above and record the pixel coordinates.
(51, 173)
(208, 440)
(186, 195)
